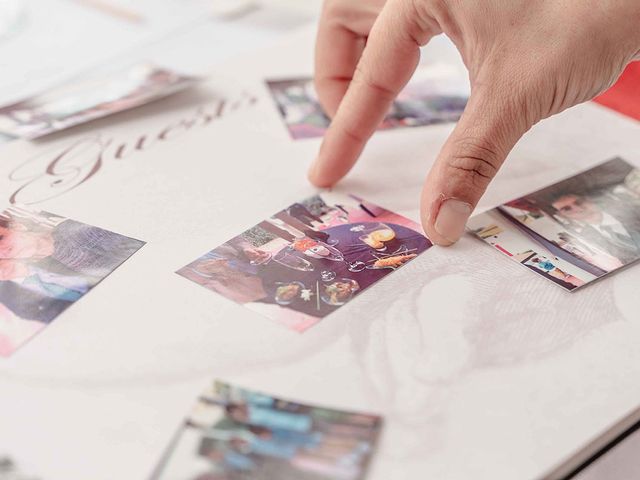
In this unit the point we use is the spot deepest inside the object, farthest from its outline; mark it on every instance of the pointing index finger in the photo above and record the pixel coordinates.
(387, 63)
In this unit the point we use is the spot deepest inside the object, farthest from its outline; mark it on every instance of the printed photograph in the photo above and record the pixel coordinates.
(87, 99)
(47, 263)
(572, 232)
(433, 96)
(309, 259)
(237, 434)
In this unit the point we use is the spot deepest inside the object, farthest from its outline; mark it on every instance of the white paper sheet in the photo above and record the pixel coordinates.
(481, 369)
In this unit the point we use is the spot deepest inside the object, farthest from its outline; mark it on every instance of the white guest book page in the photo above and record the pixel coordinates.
(480, 368)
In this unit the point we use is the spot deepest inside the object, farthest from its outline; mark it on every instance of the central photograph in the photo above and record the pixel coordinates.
(310, 258)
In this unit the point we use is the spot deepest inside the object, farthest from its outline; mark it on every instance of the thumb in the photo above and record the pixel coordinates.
(491, 125)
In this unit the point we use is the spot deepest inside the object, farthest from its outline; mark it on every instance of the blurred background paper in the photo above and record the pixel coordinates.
(56, 39)
(44, 42)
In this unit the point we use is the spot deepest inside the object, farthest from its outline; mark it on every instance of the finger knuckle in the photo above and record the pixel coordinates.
(338, 9)
(363, 77)
(354, 134)
(474, 162)
(423, 16)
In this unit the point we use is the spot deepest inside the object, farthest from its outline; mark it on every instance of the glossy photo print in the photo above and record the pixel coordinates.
(47, 263)
(309, 259)
(237, 434)
(434, 95)
(572, 232)
(86, 99)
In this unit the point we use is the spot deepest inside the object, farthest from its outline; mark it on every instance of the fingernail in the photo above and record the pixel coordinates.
(452, 219)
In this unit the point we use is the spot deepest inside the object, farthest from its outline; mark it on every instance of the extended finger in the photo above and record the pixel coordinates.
(387, 63)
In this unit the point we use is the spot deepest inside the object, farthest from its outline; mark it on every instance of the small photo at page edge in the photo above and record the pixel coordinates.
(46, 266)
(234, 430)
(572, 232)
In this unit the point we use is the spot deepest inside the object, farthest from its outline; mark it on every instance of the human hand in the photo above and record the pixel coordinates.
(526, 60)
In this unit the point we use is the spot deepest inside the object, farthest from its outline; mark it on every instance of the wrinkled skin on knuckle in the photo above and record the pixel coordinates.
(367, 78)
(428, 17)
(472, 164)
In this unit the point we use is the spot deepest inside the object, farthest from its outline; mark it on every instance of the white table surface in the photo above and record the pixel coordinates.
(481, 369)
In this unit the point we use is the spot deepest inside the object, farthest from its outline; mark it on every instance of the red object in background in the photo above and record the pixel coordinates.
(624, 96)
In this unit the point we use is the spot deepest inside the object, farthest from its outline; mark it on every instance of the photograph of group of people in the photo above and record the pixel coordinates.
(574, 231)
(433, 96)
(310, 258)
(47, 263)
(237, 434)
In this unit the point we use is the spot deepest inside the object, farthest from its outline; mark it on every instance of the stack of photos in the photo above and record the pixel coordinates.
(572, 232)
(433, 96)
(47, 263)
(237, 434)
(9, 470)
(309, 259)
(86, 99)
